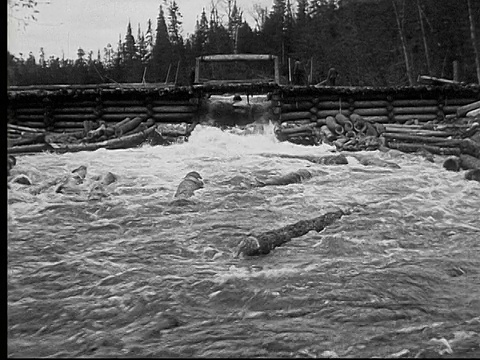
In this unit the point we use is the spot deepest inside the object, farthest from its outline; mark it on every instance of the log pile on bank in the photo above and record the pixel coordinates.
(127, 133)
(438, 125)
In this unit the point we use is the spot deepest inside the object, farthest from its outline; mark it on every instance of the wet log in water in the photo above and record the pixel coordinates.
(409, 147)
(290, 178)
(469, 162)
(265, 242)
(338, 159)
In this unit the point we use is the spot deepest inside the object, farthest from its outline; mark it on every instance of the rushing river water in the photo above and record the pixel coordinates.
(129, 273)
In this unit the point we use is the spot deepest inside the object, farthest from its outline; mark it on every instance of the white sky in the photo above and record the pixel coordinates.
(62, 26)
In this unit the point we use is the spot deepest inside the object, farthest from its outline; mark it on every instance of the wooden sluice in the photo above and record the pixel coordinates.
(301, 113)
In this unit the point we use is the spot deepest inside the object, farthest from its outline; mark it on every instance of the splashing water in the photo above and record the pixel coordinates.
(129, 273)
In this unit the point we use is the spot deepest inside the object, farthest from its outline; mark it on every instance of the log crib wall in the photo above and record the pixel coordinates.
(66, 108)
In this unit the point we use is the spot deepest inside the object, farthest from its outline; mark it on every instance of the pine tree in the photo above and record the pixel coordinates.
(162, 49)
(129, 45)
(199, 38)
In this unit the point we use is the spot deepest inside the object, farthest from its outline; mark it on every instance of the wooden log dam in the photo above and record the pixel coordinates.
(68, 108)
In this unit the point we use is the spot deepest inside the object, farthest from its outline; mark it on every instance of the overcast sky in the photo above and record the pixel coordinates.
(62, 26)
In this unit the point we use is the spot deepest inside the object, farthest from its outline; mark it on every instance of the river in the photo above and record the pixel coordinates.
(130, 274)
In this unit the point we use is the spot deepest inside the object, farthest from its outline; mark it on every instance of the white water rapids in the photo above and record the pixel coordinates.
(130, 274)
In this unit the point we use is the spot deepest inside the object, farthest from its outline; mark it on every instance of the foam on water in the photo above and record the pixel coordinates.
(133, 244)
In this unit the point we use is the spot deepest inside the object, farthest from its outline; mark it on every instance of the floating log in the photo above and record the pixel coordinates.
(469, 162)
(463, 110)
(410, 147)
(367, 161)
(473, 174)
(422, 139)
(452, 163)
(290, 178)
(263, 243)
(190, 183)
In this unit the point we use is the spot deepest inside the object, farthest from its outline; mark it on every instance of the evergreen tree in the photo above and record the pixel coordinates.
(162, 49)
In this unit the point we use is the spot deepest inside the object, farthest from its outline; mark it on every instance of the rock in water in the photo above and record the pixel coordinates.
(191, 182)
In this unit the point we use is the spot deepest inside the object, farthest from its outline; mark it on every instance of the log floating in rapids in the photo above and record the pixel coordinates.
(263, 243)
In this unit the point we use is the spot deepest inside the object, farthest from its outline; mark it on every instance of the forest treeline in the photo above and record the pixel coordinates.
(369, 42)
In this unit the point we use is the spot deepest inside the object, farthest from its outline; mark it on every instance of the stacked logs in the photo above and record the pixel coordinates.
(68, 116)
(355, 124)
(124, 134)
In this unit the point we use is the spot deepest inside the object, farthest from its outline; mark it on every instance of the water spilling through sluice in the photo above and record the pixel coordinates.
(122, 270)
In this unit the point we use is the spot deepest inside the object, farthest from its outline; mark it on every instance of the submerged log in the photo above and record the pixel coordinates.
(367, 161)
(263, 243)
(469, 162)
(473, 174)
(191, 182)
(290, 178)
(334, 159)
(422, 139)
(452, 163)
(409, 147)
